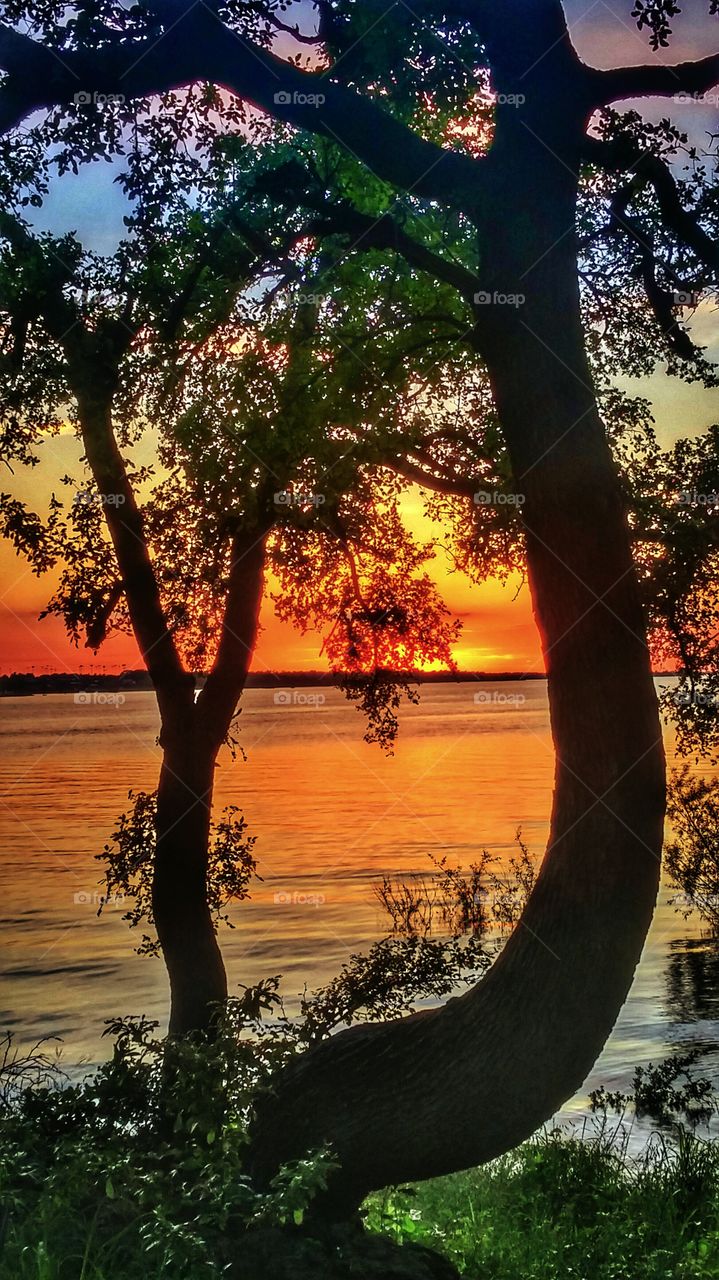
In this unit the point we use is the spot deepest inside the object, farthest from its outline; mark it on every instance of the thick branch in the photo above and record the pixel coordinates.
(453, 487)
(200, 47)
(622, 156)
(385, 233)
(684, 78)
(217, 702)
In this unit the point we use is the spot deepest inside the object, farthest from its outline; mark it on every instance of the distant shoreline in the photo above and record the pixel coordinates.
(26, 684)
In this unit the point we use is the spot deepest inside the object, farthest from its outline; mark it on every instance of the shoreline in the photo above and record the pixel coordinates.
(26, 684)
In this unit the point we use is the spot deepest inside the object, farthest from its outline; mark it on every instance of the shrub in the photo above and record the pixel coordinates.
(692, 857)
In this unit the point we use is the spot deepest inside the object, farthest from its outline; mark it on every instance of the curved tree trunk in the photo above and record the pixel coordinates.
(453, 1087)
(447, 1089)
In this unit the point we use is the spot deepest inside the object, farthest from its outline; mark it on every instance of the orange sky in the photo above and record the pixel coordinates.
(497, 636)
(498, 631)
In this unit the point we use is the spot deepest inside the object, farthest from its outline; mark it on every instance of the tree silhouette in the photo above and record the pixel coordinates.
(271, 461)
(492, 213)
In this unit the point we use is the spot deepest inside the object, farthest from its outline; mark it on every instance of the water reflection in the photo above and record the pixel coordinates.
(692, 980)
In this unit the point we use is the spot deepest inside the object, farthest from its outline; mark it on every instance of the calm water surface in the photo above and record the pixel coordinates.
(331, 815)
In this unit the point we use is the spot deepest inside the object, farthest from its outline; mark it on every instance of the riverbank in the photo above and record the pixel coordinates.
(96, 1185)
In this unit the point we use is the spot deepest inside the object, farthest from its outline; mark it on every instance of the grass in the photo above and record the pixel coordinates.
(560, 1207)
(555, 1209)
(119, 1178)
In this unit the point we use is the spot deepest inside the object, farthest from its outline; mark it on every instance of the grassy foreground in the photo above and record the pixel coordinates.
(557, 1207)
(139, 1173)
(561, 1207)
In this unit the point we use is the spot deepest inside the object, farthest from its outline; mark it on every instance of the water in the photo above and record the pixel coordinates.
(332, 815)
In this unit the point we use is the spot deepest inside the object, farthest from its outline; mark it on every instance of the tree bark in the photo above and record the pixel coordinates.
(198, 983)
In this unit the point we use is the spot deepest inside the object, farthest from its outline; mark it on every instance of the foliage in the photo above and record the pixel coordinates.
(675, 518)
(559, 1206)
(129, 859)
(141, 1165)
(669, 1093)
(443, 937)
(459, 902)
(388, 981)
(692, 854)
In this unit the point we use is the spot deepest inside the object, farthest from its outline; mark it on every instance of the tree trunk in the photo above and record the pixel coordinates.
(192, 735)
(198, 983)
(453, 1087)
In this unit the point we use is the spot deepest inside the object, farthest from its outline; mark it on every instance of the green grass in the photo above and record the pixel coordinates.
(556, 1209)
(124, 1178)
(561, 1208)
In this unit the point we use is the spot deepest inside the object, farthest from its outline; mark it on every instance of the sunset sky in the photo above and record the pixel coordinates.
(498, 630)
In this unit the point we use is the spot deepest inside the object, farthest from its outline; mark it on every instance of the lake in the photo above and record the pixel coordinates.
(473, 763)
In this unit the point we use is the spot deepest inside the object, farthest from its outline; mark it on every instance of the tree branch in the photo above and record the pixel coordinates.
(453, 487)
(659, 298)
(655, 80)
(224, 685)
(386, 233)
(200, 47)
(622, 156)
(92, 361)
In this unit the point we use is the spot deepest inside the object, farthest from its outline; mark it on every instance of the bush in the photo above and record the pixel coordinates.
(139, 1172)
(692, 858)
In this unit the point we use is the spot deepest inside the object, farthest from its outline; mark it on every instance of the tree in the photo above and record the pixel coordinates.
(249, 417)
(389, 92)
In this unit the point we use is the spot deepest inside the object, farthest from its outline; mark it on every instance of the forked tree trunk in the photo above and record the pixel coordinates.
(192, 735)
(453, 1087)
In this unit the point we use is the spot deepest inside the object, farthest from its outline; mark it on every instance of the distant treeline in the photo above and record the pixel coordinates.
(23, 684)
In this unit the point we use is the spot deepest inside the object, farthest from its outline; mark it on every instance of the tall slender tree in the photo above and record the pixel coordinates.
(269, 460)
